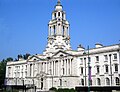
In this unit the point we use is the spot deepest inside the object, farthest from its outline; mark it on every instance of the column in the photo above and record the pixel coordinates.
(58, 67)
(46, 66)
(68, 31)
(32, 71)
(61, 67)
(65, 31)
(67, 67)
(52, 67)
(49, 31)
(70, 67)
(52, 31)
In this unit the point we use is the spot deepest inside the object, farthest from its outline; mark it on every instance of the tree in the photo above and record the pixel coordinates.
(3, 69)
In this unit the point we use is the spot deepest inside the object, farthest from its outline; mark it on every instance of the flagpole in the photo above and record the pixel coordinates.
(88, 71)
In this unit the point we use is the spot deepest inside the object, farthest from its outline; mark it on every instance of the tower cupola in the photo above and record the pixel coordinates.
(58, 7)
(58, 31)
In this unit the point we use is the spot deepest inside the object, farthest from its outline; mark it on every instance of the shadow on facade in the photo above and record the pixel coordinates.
(17, 88)
(99, 89)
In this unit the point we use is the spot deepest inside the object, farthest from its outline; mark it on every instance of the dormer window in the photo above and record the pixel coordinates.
(48, 57)
(35, 59)
(61, 55)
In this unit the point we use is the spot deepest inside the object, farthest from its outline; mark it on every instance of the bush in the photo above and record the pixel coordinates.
(65, 90)
(61, 90)
(53, 89)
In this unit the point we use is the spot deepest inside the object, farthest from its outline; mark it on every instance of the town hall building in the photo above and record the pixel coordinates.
(61, 67)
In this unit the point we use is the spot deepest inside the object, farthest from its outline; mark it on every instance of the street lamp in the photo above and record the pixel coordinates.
(89, 69)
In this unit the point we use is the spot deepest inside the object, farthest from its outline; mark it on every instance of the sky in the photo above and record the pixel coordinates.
(24, 24)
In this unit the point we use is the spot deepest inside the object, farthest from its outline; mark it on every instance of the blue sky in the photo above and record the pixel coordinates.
(23, 24)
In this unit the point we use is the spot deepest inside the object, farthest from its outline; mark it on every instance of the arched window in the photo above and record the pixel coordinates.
(62, 15)
(30, 69)
(63, 71)
(106, 68)
(41, 83)
(63, 30)
(98, 69)
(60, 82)
(116, 67)
(54, 15)
(58, 13)
(82, 82)
(107, 81)
(54, 29)
(117, 80)
(98, 81)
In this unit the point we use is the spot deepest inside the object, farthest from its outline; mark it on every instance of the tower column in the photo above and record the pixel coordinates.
(49, 31)
(52, 31)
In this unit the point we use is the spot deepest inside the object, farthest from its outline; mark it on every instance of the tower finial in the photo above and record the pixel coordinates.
(58, 3)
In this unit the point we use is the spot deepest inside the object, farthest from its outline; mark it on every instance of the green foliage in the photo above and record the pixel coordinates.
(62, 90)
(53, 89)
(10, 90)
(3, 69)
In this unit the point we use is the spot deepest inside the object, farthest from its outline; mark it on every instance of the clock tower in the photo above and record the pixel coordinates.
(58, 31)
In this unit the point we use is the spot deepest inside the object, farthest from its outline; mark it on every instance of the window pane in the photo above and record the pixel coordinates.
(106, 68)
(106, 57)
(97, 58)
(116, 67)
(115, 56)
(117, 81)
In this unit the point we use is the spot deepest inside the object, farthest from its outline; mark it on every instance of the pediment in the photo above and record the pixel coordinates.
(35, 58)
(61, 54)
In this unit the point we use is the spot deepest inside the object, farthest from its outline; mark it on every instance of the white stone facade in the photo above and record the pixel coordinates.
(62, 67)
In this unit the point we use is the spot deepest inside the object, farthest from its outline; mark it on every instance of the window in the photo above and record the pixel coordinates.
(89, 59)
(116, 67)
(55, 15)
(106, 68)
(97, 58)
(107, 81)
(54, 29)
(26, 67)
(98, 81)
(30, 69)
(9, 71)
(41, 83)
(98, 69)
(106, 57)
(82, 82)
(90, 82)
(81, 70)
(81, 60)
(58, 13)
(60, 82)
(117, 81)
(63, 30)
(25, 73)
(62, 15)
(63, 71)
(115, 56)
